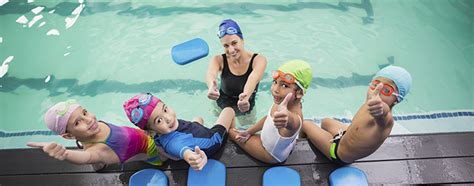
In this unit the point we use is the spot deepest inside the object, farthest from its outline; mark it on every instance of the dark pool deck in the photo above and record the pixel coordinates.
(404, 159)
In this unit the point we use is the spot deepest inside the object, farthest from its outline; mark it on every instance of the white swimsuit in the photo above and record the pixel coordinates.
(278, 146)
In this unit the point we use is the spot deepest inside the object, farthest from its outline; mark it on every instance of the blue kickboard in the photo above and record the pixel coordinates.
(149, 177)
(281, 176)
(348, 176)
(213, 174)
(189, 51)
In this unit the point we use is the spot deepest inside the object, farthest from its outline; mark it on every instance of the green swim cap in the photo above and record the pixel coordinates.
(301, 70)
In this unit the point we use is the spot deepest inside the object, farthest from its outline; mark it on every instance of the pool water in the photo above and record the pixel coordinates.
(102, 53)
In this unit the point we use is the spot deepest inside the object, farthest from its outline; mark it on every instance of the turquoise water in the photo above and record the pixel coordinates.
(115, 50)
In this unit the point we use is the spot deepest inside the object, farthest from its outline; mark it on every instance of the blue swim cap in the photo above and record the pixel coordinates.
(229, 27)
(400, 77)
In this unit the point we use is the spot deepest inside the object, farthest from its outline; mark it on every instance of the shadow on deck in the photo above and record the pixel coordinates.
(404, 159)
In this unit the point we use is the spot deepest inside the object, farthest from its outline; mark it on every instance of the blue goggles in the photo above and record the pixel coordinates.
(137, 113)
(229, 31)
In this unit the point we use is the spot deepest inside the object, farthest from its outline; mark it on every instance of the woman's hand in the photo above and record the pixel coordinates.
(213, 92)
(243, 103)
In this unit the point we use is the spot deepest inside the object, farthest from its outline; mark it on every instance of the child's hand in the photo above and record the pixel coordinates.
(243, 103)
(242, 135)
(54, 150)
(197, 159)
(375, 103)
(213, 93)
(280, 117)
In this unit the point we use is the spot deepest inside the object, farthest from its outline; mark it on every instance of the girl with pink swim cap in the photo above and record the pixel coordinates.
(103, 143)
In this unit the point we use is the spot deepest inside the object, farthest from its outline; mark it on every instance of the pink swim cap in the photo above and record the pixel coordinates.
(139, 108)
(57, 116)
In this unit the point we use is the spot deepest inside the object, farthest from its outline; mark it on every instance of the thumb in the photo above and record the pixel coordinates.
(214, 84)
(197, 150)
(242, 96)
(285, 101)
(36, 144)
(377, 89)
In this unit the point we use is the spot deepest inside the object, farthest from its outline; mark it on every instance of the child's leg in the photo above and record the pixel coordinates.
(199, 120)
(332, 126)
(319, 137)
(254, 147)
(226, 118)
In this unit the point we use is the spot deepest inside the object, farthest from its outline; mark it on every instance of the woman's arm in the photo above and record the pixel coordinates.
(254, 78)
(215, 66)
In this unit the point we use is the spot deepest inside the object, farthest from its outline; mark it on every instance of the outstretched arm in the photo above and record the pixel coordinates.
(260, 64)
(254, 78)
(211, 77)
(58, 151)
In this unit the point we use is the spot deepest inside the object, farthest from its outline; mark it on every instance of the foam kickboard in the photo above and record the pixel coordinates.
(213, 173)
(281, 176)
(149, 177)
(189, 51)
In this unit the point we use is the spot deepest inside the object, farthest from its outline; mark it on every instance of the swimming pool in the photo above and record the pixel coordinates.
(103, 53)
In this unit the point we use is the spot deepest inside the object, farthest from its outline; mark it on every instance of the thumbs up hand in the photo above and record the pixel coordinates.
(243, 103)
(280, 117)
(375, 103)
(213, 92)
(54, 150)
(197, 159)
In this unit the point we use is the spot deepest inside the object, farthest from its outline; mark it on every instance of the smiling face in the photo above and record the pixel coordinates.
(81, 125)
(281, 88)
(388, 92)
(163, 119)
(233, 45)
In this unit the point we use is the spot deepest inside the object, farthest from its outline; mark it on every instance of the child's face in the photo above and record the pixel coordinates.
(281, 88)
(163, 119)
(389, 92)
(82, 124)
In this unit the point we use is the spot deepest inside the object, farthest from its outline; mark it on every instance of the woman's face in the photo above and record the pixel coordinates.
(233, 45)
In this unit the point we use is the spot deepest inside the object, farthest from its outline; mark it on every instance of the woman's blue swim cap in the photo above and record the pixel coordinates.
(229, 27)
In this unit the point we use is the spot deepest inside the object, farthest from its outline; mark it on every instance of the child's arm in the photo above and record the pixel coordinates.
(197, 159)
(244, 135)
(58, 151)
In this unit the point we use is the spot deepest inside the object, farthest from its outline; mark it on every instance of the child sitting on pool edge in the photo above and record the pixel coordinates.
(103, 143)
(281, 126)
(370, 126)
(180, 139)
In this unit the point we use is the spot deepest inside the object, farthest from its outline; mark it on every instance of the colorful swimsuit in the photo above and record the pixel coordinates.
(127, 142)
